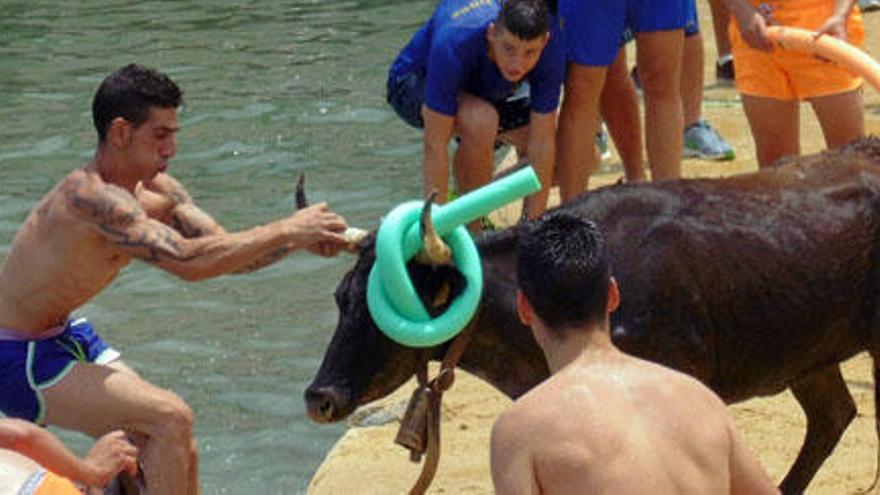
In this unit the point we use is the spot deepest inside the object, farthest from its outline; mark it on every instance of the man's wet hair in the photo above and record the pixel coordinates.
(563, 269)
(525, 19)
(130, 92)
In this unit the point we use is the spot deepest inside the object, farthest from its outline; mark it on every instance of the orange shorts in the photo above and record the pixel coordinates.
(791, 75)
(48, 483)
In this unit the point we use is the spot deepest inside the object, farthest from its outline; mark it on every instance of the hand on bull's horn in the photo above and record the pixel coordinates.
(353, 235)
(434, 250)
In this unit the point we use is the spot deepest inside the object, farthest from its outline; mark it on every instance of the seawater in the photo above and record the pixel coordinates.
(272, 89)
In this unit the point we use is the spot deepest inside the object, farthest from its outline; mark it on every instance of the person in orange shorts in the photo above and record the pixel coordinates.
(63, 473)
(773, 82)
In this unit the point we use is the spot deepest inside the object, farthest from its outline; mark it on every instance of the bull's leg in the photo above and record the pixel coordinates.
(829, 408)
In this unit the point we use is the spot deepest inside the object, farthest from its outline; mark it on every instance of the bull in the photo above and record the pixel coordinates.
(753, 284)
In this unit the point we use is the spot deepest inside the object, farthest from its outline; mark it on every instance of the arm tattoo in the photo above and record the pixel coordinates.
(192, 222)
(119, 216)
(266, 260)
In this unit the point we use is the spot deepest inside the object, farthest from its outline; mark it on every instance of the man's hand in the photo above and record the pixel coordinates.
(753, 27)
(834, 26)
(110, 455)
(319, 230)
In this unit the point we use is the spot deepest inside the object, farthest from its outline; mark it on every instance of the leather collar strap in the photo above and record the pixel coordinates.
(434, 390)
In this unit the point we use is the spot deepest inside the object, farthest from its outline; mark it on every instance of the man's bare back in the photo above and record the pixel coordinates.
(640, 428)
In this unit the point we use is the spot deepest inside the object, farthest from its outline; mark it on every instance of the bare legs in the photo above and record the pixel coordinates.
(720, 22)
(578, 123)
(775, 123)
(692, 79)
(619, 104)
(96, 399)
(659, 56)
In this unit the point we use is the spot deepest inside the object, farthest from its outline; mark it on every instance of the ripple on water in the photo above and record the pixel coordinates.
(44, 147)
(248, 112)
(181, 347)
(349, 116)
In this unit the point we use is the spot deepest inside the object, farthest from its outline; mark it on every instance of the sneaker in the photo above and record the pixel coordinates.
(602, 144)
(703, 142)
(724, 72)
(869, 5)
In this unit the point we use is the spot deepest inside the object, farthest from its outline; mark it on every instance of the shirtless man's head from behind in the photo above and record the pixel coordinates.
(135, 115)
(564, 277)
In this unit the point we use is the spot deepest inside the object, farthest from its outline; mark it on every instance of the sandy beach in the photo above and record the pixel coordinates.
(365, 460)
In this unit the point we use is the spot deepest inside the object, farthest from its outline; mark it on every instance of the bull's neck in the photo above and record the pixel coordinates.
(502, 351)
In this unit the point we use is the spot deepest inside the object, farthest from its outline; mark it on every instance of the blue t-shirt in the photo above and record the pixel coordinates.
(452, 50)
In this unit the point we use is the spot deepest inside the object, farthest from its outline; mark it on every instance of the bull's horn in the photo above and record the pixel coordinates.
(354, 236)
(301, 201)
(435, 251)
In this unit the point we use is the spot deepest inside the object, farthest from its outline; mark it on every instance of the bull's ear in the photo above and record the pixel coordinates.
(613, 296)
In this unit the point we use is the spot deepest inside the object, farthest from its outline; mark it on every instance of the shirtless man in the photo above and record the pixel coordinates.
(605, 422)
(122, 205)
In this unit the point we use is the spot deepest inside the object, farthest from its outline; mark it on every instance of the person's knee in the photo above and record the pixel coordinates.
(660, 79)
(477, 122)
(582, 88)
(174, 421)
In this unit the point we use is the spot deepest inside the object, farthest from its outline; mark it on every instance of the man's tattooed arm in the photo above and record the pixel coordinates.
(187, 218)
(119, 216)
(267, 260)
(192, 222)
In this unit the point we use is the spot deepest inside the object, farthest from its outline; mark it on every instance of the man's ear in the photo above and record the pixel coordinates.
(524, 309)
(613, 296)
(490, 32)
(120, 132)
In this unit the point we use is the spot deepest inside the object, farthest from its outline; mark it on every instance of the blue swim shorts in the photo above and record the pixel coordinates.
(691, 27)
(29, 367)
(406, 95)
(593, 29)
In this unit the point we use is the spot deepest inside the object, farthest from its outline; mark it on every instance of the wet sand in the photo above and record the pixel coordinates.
(366, 460)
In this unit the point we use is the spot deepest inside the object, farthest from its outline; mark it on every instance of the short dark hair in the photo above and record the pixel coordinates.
(130, 92)
(525, 19)
(563, 269)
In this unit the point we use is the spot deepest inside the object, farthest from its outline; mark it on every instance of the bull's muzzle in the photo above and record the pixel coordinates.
(325, 404)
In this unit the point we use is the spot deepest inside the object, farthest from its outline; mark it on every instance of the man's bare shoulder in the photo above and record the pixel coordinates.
(551, 409)
(681, 384)
(87, 196)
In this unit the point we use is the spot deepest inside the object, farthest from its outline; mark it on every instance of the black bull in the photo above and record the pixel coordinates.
(753, 284)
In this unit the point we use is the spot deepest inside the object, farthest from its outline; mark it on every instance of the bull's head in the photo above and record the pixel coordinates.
(361, 364)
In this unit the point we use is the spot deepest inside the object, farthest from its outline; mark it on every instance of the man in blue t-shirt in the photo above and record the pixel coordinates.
(485, 71)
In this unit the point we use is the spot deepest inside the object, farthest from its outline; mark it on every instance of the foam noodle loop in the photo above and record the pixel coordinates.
(829, 47)
(392, 300)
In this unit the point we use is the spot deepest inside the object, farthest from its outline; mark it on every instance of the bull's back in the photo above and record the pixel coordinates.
(746, 283)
